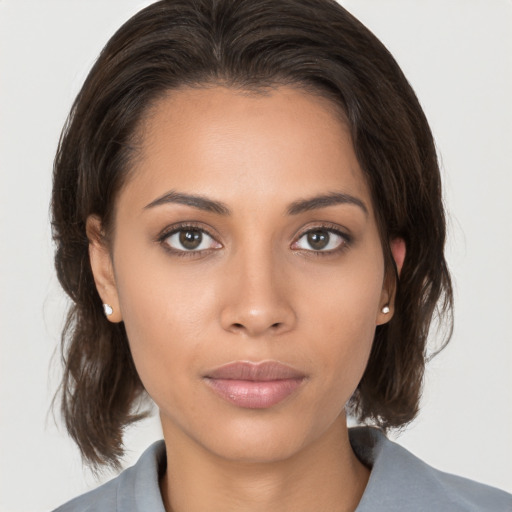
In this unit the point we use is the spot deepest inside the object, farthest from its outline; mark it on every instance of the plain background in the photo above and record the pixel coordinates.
(458, 56)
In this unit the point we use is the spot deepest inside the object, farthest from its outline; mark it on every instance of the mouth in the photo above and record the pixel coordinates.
(254, 385)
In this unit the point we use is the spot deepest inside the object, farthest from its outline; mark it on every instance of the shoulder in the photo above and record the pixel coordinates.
(101, 499)
(135, 489)
(399, 481)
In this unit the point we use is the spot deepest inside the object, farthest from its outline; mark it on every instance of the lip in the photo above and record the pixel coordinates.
(254, 385)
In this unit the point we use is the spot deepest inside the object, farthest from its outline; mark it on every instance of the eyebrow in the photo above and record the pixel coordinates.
(323, 201)
(295, 208)
(200, 202)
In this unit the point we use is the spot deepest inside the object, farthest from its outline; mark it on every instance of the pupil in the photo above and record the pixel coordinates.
(318, 239)
(191, 239)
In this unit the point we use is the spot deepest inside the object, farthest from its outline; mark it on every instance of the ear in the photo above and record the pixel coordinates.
(397, 246)
(102, 269)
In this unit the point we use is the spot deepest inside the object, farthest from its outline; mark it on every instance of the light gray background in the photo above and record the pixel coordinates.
(458, 56)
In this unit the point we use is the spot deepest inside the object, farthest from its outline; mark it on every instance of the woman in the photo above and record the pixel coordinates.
(248, 217)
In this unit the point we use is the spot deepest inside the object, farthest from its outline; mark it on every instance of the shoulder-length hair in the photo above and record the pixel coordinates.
(246, 44)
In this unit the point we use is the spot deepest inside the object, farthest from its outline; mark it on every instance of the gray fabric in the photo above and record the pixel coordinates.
(399, 482)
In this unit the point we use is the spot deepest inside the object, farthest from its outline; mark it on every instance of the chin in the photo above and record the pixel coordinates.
(262, 440)
(262, 449)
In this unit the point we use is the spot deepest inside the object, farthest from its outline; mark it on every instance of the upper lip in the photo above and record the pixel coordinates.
(261, 371)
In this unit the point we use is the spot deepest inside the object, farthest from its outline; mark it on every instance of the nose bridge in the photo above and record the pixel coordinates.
(258, 301)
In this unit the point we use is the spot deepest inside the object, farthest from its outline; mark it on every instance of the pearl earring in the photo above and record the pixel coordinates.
(385, 309)
(107, 309)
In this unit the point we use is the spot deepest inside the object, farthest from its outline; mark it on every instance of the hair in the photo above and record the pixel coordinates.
(249, 45)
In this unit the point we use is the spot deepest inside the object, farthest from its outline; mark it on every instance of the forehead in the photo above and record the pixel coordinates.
(281, 144)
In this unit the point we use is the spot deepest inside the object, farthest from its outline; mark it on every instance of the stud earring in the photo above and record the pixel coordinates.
(107, 309)
(385, 309)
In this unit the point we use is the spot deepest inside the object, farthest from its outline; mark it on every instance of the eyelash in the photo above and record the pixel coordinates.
(330, 228)
(185, 226)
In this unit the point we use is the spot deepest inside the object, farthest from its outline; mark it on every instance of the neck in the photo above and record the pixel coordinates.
(324, 476)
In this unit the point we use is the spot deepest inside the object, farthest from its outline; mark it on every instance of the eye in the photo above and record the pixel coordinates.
(190, 239)
(321, 240)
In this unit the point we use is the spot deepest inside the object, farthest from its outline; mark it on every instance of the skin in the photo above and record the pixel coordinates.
(256, 290)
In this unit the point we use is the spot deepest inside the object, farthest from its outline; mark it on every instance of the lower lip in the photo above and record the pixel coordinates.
(254, 394)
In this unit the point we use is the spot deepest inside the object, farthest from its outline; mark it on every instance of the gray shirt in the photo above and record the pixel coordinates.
(399, 482)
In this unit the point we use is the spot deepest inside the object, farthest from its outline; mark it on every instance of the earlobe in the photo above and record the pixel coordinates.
(398, 249)
(385, 313)
(101, 265)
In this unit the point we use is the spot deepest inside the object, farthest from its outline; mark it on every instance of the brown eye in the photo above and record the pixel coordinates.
(321, 240)
(318, 239)
(190, 239)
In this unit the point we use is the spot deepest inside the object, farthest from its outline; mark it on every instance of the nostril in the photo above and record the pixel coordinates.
(274, 326)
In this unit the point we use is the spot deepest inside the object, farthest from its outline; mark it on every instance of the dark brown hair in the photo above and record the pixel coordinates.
(250, 45)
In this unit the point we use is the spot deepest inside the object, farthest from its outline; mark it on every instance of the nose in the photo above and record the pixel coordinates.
(257, 298)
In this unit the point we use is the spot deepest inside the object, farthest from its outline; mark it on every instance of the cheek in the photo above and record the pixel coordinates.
(164, 312)
(348, 335)
(343, 356)
(344, 314)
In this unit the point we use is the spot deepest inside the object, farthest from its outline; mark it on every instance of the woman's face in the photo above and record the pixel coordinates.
(246, 235)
